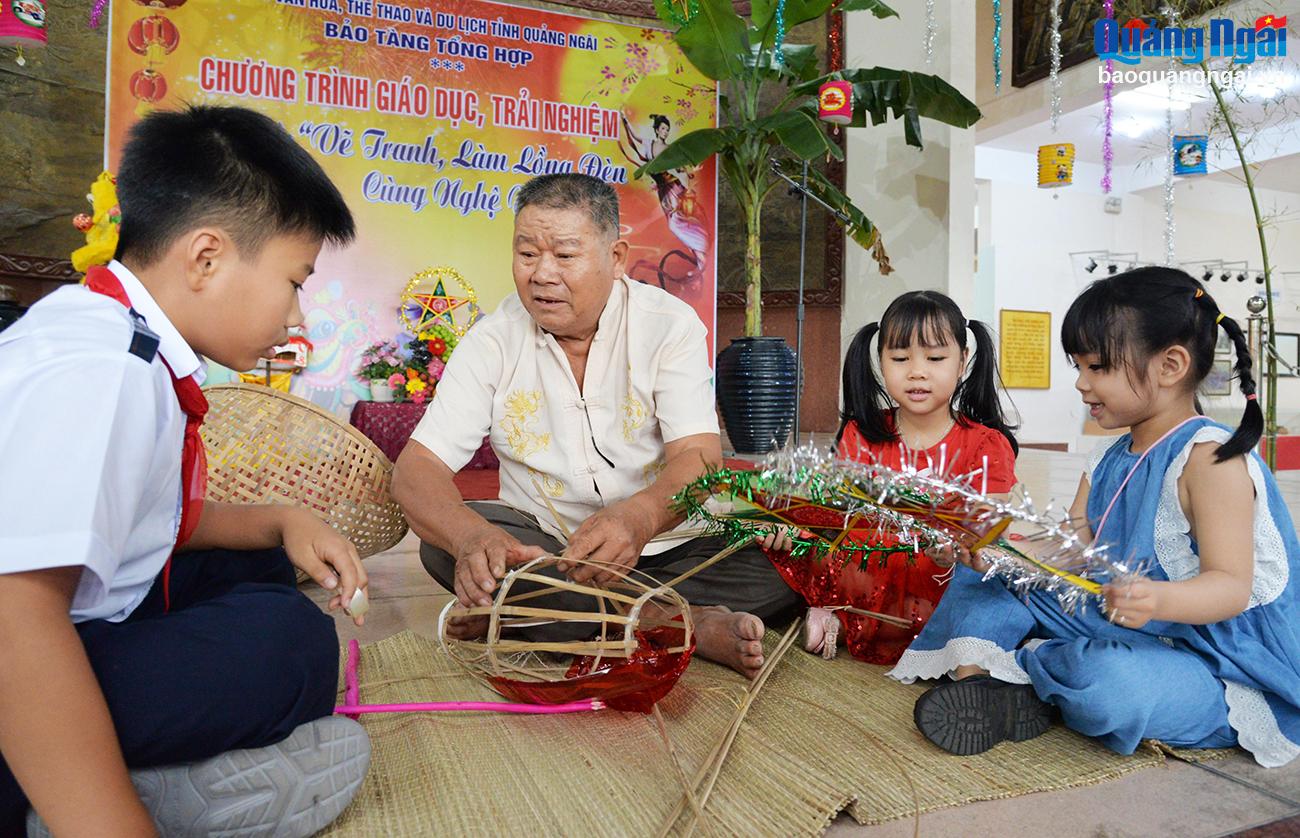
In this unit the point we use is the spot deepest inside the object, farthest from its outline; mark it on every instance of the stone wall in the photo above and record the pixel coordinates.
(51, 134)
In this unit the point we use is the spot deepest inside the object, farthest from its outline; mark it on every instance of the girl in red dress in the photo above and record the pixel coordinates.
(935, 404)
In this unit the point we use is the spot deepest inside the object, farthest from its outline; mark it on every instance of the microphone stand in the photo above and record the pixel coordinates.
(801, 189)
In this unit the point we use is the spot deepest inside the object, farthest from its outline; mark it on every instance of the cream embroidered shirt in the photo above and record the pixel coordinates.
(648, 382)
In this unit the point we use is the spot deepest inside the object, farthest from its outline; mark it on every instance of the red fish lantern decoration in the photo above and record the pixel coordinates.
(835, 102)
(155, 34)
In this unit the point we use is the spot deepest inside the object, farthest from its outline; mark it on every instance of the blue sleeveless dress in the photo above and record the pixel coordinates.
(1231, 682)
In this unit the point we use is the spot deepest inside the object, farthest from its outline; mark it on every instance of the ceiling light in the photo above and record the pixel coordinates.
(1259, 280)
(1112, 268)
(1208, 275)
(1223, 277)
(1241, 277)
(1091, 266)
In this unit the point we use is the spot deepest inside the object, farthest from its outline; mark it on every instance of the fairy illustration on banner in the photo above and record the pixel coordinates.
(679, 203)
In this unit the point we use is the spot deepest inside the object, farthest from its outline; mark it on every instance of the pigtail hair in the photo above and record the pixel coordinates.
(1251, 428)
(977, 398)
(865, 400)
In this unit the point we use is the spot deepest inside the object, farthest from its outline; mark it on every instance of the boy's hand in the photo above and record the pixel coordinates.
(1132, 604)
(324, 555)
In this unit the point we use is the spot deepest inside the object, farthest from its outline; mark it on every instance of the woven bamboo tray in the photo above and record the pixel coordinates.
(264, 446)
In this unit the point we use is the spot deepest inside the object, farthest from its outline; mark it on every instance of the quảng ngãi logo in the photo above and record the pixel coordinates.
(1138, 39)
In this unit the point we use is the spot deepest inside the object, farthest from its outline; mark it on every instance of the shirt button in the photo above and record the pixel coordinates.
(581, 404)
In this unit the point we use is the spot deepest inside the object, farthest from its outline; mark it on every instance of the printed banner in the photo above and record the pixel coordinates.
(428, 117)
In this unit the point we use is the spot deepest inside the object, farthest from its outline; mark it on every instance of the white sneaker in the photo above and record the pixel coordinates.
(291, 789)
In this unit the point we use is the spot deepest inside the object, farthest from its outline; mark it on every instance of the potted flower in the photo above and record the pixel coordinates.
(379, 363)
(756, 375)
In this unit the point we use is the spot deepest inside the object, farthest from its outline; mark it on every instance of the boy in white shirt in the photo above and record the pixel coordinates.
(142, 626)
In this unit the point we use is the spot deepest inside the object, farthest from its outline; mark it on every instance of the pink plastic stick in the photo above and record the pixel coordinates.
(452, 706)
(350, 678)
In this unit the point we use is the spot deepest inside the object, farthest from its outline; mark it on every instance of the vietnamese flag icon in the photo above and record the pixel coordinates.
(1270, 22)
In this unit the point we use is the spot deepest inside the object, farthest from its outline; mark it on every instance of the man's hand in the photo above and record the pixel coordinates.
(1132, 604)
(317, 550)
(482, 559)
(613, 538)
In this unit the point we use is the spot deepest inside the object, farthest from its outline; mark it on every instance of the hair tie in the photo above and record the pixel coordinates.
(1219, 319)
(1252, 397)
(1200, 292)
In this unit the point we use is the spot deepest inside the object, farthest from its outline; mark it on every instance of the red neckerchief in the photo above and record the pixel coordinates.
(194, 463)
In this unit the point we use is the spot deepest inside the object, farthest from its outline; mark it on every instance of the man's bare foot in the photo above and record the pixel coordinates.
(731, 638)
(460, 627)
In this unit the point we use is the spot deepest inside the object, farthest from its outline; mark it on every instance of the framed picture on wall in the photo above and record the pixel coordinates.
(1219, 381)
(1288, 349)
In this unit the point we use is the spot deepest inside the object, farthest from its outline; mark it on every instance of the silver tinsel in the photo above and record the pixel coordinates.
(930, 28)
(1054, 74)
(909, 503)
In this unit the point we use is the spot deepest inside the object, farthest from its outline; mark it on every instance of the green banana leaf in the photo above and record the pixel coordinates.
(691, 149)
(716, 40)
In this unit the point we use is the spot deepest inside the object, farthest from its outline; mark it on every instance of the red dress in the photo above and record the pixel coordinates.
(899, 587)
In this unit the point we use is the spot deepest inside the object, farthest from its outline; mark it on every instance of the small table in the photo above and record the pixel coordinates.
(389, 425)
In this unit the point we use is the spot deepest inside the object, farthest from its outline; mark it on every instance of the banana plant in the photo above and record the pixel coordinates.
(742, 55)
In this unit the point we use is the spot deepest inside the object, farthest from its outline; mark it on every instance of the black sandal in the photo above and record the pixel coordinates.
(972, 715)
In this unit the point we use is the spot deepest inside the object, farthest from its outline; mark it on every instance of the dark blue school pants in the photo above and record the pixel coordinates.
(240, 660)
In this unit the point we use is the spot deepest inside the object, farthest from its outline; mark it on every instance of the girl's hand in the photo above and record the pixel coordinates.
(324, 555)
(780, 539)
(1132, 604)
(949, 554)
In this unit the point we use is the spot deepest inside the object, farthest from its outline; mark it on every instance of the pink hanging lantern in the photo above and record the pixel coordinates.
(835, 102)
(22, 25)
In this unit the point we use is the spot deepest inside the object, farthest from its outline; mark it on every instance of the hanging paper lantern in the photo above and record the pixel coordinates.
(22, 25)
(154, 33)
(1055, 165)
(835, 102)
(1190, 154)
(148, 85)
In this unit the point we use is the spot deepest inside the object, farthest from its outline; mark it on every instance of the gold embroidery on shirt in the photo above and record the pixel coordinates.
(522, 407)
(633, 410)
(550, 485)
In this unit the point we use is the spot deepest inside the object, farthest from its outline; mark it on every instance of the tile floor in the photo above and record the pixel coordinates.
(1177, 799)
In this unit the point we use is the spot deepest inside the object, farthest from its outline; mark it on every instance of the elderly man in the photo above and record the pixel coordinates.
(596, 391)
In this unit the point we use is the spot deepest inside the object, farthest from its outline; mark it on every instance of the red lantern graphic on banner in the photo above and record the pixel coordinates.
(162, 4)
(154, 31)
(148, 85)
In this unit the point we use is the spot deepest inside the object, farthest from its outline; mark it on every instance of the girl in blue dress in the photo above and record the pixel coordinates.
(1203, 652)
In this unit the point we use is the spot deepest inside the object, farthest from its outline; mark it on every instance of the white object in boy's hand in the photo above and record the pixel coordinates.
(358, 605)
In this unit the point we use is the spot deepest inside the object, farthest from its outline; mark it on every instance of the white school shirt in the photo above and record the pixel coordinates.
(90, 445)
(648, 382)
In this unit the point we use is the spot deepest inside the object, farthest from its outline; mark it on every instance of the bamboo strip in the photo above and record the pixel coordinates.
(719, 752)
(547, 613)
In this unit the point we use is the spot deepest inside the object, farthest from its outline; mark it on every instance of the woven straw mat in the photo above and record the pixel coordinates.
(821, 737)
(264, 446)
